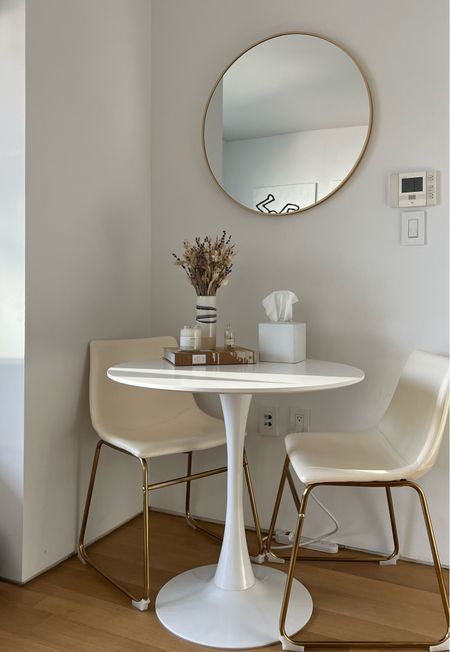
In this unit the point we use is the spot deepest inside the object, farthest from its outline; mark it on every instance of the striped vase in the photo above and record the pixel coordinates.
(206, 318)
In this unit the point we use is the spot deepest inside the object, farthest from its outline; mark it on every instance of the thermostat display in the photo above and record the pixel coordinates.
(413, 189)
(411, 184)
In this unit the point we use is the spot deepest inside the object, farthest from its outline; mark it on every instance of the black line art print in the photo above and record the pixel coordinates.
(263, 206)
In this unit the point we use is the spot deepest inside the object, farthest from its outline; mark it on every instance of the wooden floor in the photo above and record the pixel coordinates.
(72, 609)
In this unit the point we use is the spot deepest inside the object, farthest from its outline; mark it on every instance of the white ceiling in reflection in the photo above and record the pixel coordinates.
(290, 84)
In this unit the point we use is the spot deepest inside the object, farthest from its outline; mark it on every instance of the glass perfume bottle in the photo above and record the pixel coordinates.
(228, 337)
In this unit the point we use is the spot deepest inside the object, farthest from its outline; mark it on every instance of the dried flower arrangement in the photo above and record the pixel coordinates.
(207, 263)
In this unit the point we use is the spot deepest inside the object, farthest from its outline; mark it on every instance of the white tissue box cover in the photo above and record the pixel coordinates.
(282, 342)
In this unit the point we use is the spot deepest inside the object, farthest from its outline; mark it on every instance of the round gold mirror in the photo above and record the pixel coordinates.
(287, 123)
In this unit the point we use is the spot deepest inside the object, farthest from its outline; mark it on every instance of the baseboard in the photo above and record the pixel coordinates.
(171, 512)
(32, 577)
(413, 560)
(70, 554)
(105, 534)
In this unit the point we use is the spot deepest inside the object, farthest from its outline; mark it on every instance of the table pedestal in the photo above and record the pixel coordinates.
(233, 604)
(191, 606)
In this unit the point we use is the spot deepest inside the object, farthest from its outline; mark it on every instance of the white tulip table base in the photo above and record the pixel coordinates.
(194, 608)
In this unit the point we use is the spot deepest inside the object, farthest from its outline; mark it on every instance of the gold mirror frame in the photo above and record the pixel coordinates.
(363, 149)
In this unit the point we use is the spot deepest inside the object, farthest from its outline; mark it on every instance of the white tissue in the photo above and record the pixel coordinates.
(278, 305)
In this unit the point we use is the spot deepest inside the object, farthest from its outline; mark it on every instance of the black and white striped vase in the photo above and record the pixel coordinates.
(206, 318)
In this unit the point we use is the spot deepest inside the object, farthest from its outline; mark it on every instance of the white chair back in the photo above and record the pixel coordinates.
(115, 406)
(415, 419)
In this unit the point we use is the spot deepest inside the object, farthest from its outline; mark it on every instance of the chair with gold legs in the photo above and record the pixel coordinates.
(145, 424)
(395, 453)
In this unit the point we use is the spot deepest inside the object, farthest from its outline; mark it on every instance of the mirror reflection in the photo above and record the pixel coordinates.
(287, 123)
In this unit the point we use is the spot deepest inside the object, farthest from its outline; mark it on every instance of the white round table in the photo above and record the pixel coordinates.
(233, 604)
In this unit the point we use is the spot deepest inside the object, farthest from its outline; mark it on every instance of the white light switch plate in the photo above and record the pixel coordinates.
(413, 228)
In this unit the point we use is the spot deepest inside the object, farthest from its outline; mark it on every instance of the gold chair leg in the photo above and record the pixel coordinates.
(278, 558)
(289, 643)
(140, 603)
(81, 546)
(191, 521)
(293, 489)
(143, 603)
(259, 557)
(437, 564)
(270, 555)
(393, 557)
(290, 575)
(389, 560)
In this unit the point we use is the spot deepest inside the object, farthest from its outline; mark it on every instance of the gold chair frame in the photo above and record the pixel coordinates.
(290, 643)
(143, 602)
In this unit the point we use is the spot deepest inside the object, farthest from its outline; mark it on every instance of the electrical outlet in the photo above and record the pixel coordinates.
(300, 422)
(300, 418)
(268, 421)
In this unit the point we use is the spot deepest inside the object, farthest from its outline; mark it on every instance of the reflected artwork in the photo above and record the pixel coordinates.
(281, 200)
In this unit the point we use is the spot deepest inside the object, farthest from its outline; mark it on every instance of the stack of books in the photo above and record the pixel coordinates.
(233, 355)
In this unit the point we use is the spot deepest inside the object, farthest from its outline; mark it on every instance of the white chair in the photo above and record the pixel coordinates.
(395, 453)
(146, 424)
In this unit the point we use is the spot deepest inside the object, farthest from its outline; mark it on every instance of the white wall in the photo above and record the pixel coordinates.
(317, 156)
(12, 278)
(367, 300)
(87, 251)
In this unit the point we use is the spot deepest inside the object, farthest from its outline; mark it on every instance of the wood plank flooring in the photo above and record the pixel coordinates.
(72, 609)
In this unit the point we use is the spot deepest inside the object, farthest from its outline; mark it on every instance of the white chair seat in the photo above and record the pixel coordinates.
(189, 430)
(346, 457)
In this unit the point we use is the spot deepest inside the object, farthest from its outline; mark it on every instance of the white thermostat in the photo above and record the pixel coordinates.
(413, 189)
